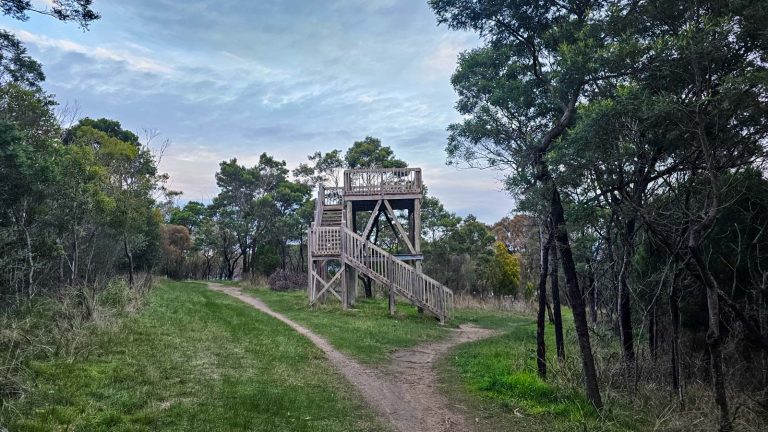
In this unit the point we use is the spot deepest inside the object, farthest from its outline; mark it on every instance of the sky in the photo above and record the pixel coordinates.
(224, 79)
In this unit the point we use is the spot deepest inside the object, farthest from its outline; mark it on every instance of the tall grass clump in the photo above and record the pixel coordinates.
(59, 325)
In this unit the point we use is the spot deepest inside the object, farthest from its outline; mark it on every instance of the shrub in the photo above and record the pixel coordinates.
(283, 280)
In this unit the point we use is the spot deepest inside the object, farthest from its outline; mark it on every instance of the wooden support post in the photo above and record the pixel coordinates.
(350, 272)
(416, 228)
(310, 265)
(416, 237)
(344, 285)
(392, 308)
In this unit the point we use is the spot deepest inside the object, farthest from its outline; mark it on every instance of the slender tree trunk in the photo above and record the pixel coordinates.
(559, 342)
(625, 311)
(550, 314)
(575, 299)
(592, 293)
(714, 338)
(367, 282)
(301, 254)
(541, 348)
(129, 256)
(652, 340)
(75, 256)
(21, 219)
(246, 267)
(674, 313)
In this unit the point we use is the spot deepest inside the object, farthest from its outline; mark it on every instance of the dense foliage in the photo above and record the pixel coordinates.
(635, 132)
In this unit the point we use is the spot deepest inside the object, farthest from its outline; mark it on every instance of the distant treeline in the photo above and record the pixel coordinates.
(258, 224)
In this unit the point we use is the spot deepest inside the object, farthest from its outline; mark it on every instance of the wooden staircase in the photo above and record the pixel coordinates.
(388, 270)
(384, 268)
(331, 216)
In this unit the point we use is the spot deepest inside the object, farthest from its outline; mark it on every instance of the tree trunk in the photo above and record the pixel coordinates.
(625, 311)
(550, 314)
(674, 313)
(246, 264)
(30, 280)
(559, 342)
(575, 299)
(129, 256)
(367, 286)
(713, 337)
(75, 257)
(652, 340)
(541, 349)
(592, 293)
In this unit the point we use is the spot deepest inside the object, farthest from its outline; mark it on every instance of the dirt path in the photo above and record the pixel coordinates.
(404, 392)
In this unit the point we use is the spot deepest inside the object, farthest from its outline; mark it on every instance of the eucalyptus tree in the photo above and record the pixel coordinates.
(692, 115)
(520, 93)
(369, 153)
(130, 180)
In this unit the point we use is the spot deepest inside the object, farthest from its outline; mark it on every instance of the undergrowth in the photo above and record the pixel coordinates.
(59, 326)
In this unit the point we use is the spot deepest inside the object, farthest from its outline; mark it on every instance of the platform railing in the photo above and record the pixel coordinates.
(333, 196)
(325, 240)
(380, 181)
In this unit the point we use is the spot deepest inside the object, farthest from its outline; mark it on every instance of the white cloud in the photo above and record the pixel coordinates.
(441, 63)
(136, 62)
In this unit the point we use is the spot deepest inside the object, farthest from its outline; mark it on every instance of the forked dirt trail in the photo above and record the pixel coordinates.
(404, 392)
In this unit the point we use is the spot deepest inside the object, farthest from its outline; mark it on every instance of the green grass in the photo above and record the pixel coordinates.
(367, 332)
(193, 359)
(497, 379)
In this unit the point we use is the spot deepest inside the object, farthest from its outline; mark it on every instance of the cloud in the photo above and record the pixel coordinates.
(226, 78)
(441, 63)
(133, 61)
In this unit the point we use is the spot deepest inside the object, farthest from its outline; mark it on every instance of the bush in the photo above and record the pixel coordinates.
(266, 260)
(283, 280)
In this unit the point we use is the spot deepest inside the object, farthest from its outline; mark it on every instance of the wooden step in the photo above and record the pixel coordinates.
(330, 218)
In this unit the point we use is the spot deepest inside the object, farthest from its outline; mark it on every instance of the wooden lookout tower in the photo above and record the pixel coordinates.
(341, 248)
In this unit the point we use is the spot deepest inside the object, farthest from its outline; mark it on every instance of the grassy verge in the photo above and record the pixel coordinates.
(193, 360)
(367, 332)
(497, 380)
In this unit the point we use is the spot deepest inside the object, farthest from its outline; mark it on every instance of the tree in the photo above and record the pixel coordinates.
(462, 257)
(190, 216)
(659, 147)
(28, 168)
(16, 66)
(436, 221)
(520, 235)
(324, 168)
(131, 180)
(369, 153)
(504, 271)
(519, 93)
(78, 11)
